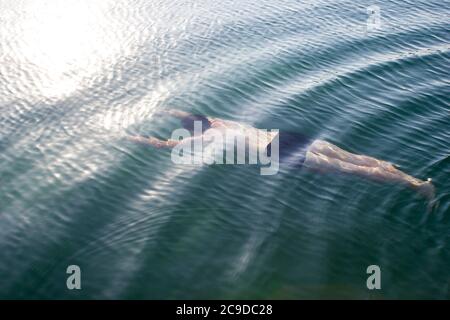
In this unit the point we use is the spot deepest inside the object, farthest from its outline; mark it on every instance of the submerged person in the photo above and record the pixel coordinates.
(299, 151)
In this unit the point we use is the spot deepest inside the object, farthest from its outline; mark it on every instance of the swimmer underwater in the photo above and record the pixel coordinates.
(299, 151)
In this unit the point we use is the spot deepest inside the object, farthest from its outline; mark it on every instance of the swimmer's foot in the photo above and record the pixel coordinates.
(426, 189)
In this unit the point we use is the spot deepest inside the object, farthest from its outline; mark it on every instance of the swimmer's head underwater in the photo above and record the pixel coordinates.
(188, 122)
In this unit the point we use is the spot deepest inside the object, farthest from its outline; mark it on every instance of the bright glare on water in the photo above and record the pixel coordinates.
(77, 77)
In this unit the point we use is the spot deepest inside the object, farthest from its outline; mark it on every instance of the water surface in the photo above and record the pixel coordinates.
(77, 76)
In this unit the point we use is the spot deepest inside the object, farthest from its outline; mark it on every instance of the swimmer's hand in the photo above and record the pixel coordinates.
(427, 189)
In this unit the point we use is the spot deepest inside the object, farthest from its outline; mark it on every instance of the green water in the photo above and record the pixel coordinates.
(76, 78)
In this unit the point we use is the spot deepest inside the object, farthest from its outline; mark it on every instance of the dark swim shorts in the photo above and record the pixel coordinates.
(292, 148)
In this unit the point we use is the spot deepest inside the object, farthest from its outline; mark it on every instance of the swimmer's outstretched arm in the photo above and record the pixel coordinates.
(158, 143)
(176, 113)
(155, 142)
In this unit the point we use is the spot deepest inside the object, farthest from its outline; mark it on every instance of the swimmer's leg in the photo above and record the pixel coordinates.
(324, 163)
(332, 151)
